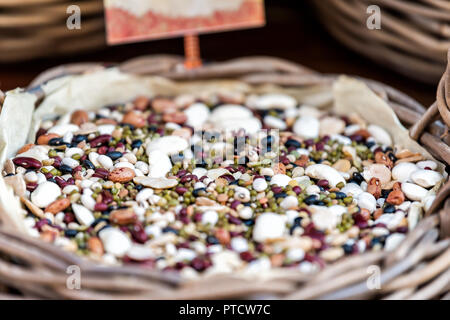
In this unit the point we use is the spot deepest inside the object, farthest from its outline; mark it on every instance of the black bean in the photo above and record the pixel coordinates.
(311, 199)
(392, 157)
(293, 143)
(78, 138)
(56, 142)
(385, 193)
(212, 240)
(136, 144)
(65, 168)
(340, 195)
(70, 233)
(280, 195)
(348, 248)
(370, 144)
(114, 155)
(357, 177)
(249, 222)
(170, 229)
(298, 221)
(198, 191)
(88, 164)
(389, 208)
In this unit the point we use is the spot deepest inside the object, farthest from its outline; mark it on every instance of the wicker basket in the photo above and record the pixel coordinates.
(418, 269)
(37, 28)
(413, 39)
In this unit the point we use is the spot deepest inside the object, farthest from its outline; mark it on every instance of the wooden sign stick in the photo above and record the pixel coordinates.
(192, 51)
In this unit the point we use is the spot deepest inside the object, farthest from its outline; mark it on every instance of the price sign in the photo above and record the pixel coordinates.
(140, 20)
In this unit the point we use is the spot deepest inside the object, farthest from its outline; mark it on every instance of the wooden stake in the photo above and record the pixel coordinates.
(192, 51)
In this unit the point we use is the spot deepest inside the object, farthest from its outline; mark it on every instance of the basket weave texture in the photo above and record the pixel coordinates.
(418, 269)
(37, 28)
(413, 39)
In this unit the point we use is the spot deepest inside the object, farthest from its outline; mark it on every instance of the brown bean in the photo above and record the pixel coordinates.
(223, 236)
(79, 117)
(303, 161)
(58, 205)
(382, 158)
(105, 121)
(374, 187)
(396, 197)
(25, 148)
(141, 103)
(163, 105)
(123, 216)
(95, 245)
(175, 117)
(45, 138)
(135, 119)
(121, 175)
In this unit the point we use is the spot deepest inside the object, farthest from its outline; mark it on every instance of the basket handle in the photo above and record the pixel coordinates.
(439, 110)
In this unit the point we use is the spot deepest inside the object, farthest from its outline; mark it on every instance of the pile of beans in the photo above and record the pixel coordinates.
(219, 183)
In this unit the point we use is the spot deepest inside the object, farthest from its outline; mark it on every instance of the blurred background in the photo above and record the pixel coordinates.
(293, 31)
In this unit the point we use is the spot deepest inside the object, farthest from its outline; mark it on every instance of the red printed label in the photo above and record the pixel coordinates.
(140, 20)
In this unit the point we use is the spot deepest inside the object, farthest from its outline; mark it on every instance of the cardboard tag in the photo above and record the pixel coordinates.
(140, 20)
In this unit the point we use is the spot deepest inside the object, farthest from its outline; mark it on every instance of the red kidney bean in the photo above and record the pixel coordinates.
(247, 256)
(69, 217)
(60, 182)
(102, 150)
(188, 178)
(185, 220)
(31, 186)
(100, 206)
(197, 217)
(101, 173)
(277, 189)
(48, 175)
(297, 189)
(234, 220)
(181, 173)
(41, 223)
(227, 177)
(100, 140)
(231, 169)
(180, 190)
(183, 212)
(27, 163)
(138, 233)
(57, 162)
(234, 204)
(198, 264)
(152, 119)
(320, 146)
(322, 183)
(107, 197)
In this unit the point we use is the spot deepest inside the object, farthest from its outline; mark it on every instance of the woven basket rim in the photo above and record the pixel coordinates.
(344, 279)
